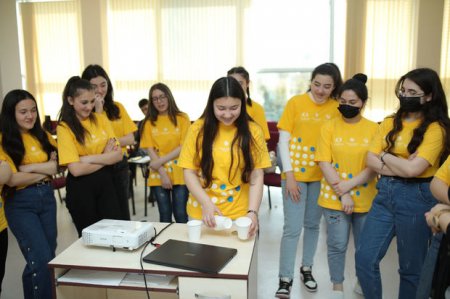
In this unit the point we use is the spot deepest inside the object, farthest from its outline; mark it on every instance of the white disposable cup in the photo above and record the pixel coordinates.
(223, 223)
(194, 230)
(243, 227)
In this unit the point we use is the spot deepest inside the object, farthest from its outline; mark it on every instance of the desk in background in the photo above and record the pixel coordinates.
(143, 163)
(237, 279)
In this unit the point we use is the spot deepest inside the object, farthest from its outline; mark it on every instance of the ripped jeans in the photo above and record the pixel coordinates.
(397, 210)
(339, 225)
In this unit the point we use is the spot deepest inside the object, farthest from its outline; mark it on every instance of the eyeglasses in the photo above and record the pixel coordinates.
(159, 98)
(410, 93)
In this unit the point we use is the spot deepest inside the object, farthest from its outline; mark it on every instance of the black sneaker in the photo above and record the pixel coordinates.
(308, 280)
(284, 290)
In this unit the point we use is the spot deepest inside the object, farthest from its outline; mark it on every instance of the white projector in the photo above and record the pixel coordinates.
(118, 234)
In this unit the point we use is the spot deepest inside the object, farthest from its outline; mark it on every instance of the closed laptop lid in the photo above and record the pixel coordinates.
(191, 256)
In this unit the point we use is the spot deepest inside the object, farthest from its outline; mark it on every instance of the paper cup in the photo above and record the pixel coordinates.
(194, 230)
(223, 223)
(243, 227)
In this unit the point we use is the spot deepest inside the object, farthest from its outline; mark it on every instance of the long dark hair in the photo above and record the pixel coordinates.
(242, 143)
(172, 111)
(93, 71)
(12, 142)
(435, 110)
(332, 70)
(67, 113)
(240, 70)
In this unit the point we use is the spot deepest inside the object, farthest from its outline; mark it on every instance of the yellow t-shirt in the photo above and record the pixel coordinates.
(256, 112)
(70, 150)
(430, 148)
(346, 145)
(164, 137)
(303, 118)
(3, 222)
(33, 152)
(443, 172)
(122, 126)
(231, 197)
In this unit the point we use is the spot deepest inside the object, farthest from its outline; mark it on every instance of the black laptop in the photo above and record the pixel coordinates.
(191, 256)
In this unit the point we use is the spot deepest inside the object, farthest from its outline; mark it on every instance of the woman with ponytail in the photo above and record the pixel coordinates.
(299, 127)
(88, 147)
(30, 205)
(406, 152)
(254, 109)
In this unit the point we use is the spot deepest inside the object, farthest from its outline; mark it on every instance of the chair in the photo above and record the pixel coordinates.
(272, 179)
(58, 182)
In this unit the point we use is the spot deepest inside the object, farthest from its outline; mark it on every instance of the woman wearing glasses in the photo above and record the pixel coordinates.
(165, 128)
(406, 151)
(122, 125)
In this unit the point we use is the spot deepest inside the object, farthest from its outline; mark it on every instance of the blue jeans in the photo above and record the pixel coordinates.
(305, 213)
(31, 215)
(167, 203)
(397, 210)
(429, 265)
(338, 233)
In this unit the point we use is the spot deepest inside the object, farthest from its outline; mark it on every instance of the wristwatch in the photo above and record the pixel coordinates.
(435, 219)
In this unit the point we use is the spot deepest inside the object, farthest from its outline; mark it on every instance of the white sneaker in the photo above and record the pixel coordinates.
(337, 295)
(357, 288)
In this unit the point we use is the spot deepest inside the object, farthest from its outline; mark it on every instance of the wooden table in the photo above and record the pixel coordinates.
(238, 278)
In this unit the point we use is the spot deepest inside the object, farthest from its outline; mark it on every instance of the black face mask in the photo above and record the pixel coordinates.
(348, 111)
(410, 104)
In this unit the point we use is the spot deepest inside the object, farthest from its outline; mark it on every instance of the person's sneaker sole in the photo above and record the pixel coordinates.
(283, 296)
(309, 289)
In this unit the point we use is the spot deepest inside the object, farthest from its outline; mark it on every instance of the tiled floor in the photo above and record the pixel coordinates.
(271, 230)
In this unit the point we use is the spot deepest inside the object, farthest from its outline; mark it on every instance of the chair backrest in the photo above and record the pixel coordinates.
(274, 136)
(59, 180)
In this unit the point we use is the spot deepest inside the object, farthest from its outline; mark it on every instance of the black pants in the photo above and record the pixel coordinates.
(121, 177)
(3, 251)
(92, 197)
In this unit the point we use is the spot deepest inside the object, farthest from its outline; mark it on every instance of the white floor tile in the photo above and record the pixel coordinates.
(271, 221)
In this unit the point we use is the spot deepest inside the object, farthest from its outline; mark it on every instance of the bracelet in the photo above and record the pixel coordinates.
(253, 211)
(382, 156)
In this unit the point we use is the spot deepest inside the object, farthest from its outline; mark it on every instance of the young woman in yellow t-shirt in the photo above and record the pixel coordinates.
(5, 175)
(299, 127)
(254, 109)
(348, 186)
(30, 205)
(165, 128)
(223, 157)
(406, 151)
(122, 125)
(88, 147)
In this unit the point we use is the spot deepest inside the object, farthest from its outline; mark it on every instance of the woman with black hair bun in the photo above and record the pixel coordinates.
(348, 186)
(406, 152)
(30, 205)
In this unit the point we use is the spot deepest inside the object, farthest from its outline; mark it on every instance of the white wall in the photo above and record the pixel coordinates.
(10, 76)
